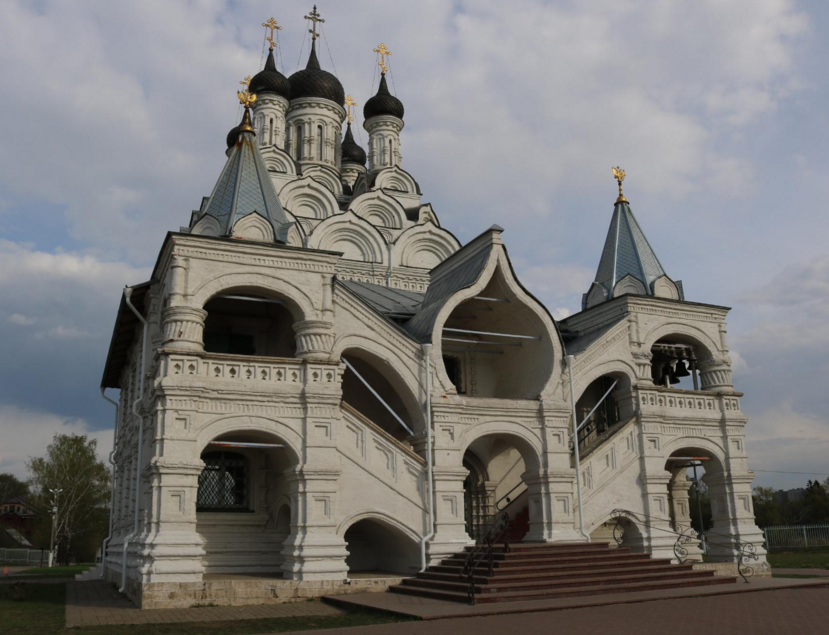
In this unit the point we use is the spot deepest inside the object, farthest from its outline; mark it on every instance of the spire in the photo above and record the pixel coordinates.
(244, 186)
(313, 63)
(627, 254)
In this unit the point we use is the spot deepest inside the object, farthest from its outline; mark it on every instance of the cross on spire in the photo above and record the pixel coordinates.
(314, 16)
(383, 52)
(349, 102)
(272, 25)
(246, 81)
(619, 175)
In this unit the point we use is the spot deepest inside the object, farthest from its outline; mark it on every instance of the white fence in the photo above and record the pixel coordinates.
(800, 536)
(24, 556)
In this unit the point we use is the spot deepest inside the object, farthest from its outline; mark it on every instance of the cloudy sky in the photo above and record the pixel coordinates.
(112, 124)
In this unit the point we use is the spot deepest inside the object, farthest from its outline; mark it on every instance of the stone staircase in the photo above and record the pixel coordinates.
(91, 574)
(558, 570)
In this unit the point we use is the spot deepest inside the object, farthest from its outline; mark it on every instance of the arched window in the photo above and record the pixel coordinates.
(391, 153)
(319, 142)
(270, 142)
(223, 484)
(298, 150)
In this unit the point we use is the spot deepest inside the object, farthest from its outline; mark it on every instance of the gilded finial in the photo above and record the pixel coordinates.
(272, 25)
(246, 98)
(246, 81)
(314, 16)
(383, 52)
(349, 102)
(619, 174)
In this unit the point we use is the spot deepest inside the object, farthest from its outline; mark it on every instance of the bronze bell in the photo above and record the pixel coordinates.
(682, 369)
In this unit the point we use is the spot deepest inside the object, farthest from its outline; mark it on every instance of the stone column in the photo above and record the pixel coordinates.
(681, 511)
(314, 339)
(450, 524)
(313, 551)
(715, 376)
(183, 327)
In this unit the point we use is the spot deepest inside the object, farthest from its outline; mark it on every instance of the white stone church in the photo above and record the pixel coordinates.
(321, 388)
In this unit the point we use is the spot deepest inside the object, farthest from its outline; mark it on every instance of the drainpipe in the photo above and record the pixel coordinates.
(570, 359)
(135, 404)
(114, 485)
(427, 353)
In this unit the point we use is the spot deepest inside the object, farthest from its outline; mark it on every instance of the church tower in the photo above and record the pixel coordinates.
(628, 264)
(273, 92)
(316, 113)
(353, 161)
(383, 116)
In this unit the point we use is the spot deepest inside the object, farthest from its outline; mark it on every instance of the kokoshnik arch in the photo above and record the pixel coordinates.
(273, 413)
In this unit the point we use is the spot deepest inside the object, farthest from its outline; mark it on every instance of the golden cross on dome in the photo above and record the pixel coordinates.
(245, 81)
(349, 102)
(314, 16)
(271, 24)
(619, 175)
(383, 52)
(246, 98)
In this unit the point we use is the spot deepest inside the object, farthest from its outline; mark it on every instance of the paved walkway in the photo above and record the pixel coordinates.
(98, 602)
(431, 609)
(820, 572)
(803, 611)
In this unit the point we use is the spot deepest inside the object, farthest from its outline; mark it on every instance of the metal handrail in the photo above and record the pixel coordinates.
(484, 550)
(508, 499)
(746, 550)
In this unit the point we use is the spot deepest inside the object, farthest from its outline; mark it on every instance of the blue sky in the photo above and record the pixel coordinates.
(112, 126)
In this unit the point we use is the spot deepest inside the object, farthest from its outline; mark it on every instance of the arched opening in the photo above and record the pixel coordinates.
(298, 143)
(378, 549)
(320, 142)
(243, 480)
(675, 362)
(246, 323)
(379, 395)
(391, 152)
(494, 345)
(270, 130)
(600, 418)
(495, 484)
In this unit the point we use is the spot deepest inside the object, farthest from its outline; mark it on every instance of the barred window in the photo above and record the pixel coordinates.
(223, 484)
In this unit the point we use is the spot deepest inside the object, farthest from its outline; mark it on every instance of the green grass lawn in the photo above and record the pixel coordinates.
(43, 613)
(817, 558)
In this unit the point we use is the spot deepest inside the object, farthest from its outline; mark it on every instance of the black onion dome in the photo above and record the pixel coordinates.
(312, 81)
(351, 151)
(233, 135)
(383, 103)
(270, 80)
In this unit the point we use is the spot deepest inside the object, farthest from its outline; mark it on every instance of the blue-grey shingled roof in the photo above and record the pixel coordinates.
(243, 188)
(388, 301)
(627, 252)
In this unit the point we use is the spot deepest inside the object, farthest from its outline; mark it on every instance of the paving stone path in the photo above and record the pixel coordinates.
(98, 602)
(793, 611)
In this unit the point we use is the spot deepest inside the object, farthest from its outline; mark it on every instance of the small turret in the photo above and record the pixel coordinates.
(383, 115)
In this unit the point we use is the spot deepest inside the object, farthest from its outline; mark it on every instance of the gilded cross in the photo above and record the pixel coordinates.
(246, 81)
(383, 52)
(271, 24)
(349, 102)
(314, 16)
(619, 175)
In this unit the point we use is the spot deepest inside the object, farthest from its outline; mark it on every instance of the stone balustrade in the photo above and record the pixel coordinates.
(685, 403)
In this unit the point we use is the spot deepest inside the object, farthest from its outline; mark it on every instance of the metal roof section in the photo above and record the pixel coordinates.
(626, 252)
(244, 188)
(386, 300)
(123, 333)
(460, 271)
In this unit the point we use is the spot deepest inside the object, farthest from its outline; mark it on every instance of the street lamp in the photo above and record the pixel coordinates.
(55, 493)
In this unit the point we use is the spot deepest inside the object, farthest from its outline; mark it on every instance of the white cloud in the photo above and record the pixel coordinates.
(20, 319)
(32, 431)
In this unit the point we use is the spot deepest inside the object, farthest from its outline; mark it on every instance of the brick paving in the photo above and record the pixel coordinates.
(98, 602)
(792, 611)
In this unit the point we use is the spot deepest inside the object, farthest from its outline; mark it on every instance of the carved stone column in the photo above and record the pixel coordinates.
(715, 376)
(183, 327)
(314, 339)
(680, 507)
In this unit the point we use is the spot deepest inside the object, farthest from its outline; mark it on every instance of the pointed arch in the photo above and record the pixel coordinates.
(207, 225)
(356, 238)
(397, 179)
(253, 227)
(325, 175)
(308, 198)
(378, 208)
(664, 287)
(423, 246)
(279, 161)
(629, 284)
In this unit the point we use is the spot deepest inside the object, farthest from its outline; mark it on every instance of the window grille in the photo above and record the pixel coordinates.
(223, 484)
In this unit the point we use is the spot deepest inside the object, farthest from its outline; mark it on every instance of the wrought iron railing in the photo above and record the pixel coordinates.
(746, 551)
(508, 496)
(484, 552)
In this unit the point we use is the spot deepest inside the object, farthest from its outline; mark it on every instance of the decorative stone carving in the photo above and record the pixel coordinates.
(183, 327)
(715, 376)
(314, 339)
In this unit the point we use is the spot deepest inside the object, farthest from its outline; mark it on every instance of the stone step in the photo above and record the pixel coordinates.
(557, 573)
(558, 547)
(500, 586)
(569, 591)
(545, 559)
(499, 570)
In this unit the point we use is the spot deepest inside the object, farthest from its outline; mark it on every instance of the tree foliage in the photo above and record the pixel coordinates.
(13, 487)
(770, 508)
(72, 466)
